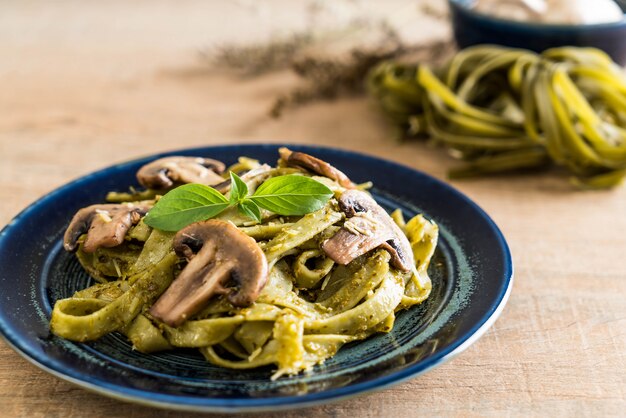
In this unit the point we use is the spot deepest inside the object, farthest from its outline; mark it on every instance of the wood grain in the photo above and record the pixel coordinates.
(88, 84)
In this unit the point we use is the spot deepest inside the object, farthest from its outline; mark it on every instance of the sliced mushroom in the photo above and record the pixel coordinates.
(368, 226)
(255, 176)
(105, 225)
(217, 252)
(300, 159)
(169, 171)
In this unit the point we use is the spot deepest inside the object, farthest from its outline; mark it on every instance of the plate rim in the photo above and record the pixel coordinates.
(236, 405)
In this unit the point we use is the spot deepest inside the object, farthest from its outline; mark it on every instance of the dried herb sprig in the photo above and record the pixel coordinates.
(326, 79)
(259, 58)
(331, 62)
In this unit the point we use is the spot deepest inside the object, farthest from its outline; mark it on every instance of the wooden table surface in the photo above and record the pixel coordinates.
(87, 84)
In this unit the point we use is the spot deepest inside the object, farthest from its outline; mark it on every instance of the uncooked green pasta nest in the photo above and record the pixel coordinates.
(504, 109)
(309, 307)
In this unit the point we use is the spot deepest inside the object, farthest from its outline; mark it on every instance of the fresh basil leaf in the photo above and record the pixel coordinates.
(238, 189)
(250, 209)
(291, 195)
(185, 205)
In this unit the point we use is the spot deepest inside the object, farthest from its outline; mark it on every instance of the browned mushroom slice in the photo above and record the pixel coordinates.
(368, 226)
(256, 175)
(321, 167)
(169, 171)
(217, 252)
(105, 225)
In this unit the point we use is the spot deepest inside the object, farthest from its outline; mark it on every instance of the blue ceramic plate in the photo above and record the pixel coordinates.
(471, 273)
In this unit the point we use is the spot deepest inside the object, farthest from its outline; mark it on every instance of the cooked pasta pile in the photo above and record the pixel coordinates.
(309, 306)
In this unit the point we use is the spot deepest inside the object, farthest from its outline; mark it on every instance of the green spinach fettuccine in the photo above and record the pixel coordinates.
(503, 109)
(309, 307)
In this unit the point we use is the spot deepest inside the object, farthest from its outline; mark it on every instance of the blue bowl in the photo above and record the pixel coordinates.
(473, 28)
